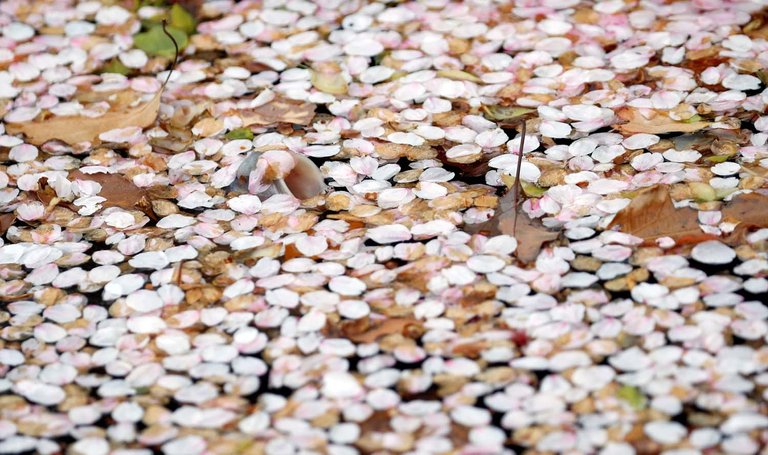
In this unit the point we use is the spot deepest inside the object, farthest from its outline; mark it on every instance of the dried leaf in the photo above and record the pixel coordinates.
(660, 124)
(280, 110)
(748, 209)
(76, 129)
(386, 327)
(6, 221)
(531, 234)
(118, 192)
(651, 215)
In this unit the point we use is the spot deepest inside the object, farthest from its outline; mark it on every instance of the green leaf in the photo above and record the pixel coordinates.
(182, 19)
(116, 66)
(154, 42)
(633, 396)
(240, 133)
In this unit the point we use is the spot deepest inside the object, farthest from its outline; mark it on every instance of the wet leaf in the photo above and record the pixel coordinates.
(6, 221)
(280, 110)
(181, 19)
(156, 43)
(118, 192)
(75, 129)
(651, 215)
(240, 133)
(660, 124)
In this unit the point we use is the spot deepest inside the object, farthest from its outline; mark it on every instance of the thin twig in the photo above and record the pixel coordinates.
(175, 56)
(518, 185)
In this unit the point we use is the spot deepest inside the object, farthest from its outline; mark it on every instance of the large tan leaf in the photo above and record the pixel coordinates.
(660, 124)
(651, 215)
(76, 129)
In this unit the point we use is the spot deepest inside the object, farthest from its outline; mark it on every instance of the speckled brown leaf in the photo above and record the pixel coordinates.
(651, 215)
(75, 129)
(280, 110)
(635, 122)
(118, 192)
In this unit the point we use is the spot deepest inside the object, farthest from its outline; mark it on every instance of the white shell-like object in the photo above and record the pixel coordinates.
(304, 181)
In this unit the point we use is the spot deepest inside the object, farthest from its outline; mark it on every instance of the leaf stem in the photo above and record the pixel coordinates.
(175, 55)
(518, 185)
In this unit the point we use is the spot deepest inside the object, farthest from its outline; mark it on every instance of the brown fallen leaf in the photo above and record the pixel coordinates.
(651, 215)
(280, 110)
(75, 129)
(118, 192)
(748, 209)
(384, 328)
(660, 124)
(531, 234)
(6, 221)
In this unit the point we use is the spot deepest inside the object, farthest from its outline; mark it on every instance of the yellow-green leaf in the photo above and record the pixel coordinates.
(240, 133)
(702, 192)
(181, 18)
(154, 42)
(116, 66)
(717, 158)
(633, 396)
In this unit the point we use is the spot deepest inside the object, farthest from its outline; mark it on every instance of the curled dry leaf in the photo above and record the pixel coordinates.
(75, 129)
(118, 192)
(651, 215)
(280, 110)
(659, 124)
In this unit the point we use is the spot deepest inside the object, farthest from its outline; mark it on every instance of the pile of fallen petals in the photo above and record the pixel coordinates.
(160, 293)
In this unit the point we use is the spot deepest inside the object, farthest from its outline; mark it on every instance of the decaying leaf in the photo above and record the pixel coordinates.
(651, 215)
(118, 192)
(660, 124)
(6, 221)
(76, 129)
(748, 209)
(280, 110)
